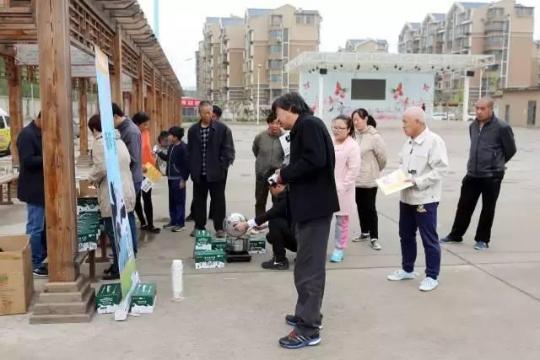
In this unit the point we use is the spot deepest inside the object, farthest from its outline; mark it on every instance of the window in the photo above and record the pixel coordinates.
(285, 35)
(275, 78)
(368, 89)
(305, 19)
(275, 34)
(507, 113)
(274, 64)
(275, 49)
(286, 51)
(276, 20)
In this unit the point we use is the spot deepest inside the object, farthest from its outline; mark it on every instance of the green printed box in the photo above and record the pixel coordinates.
(209, 259)
(143, 299)
(203, 240)
(108, 298)
(219, 244)
(257, 245)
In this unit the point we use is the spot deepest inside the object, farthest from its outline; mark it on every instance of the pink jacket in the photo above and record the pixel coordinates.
(346, 170)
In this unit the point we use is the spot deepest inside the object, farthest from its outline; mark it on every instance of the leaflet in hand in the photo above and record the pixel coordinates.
(396, 181)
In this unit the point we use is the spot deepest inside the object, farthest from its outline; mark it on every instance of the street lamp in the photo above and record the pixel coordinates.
(258, 91)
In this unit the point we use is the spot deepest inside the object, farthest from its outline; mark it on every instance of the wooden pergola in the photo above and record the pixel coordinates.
(64, 33)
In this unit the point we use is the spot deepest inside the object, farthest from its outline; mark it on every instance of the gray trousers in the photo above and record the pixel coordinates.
(310, 272)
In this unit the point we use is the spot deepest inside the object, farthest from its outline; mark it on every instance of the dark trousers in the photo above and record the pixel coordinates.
(109, 231)
(261, 195)
(146, 217)
(471, 189)
(310, 272)
(177, 203)
(423, 218)
(217, 196)
(281, 237)
(367, 212)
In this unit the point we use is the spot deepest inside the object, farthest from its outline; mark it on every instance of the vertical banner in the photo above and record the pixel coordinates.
(129, 277)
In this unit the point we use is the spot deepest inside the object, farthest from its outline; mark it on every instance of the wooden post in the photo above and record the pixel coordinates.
(83, 117)
(152, 104)
(53, 304)
(140, 84)
(134, 97)
(163, 106)
(116, 79)
(15, 104)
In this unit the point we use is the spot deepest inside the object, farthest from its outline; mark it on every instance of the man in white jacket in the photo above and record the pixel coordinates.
(424, 159)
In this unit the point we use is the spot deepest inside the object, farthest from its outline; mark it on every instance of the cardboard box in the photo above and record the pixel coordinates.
(143, 299)
(108, 298)
(219, 244)
(203, 240)
(16, 278)
(86, 190)
(209, 259)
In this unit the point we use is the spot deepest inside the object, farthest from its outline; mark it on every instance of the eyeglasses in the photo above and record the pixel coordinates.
(335, 128)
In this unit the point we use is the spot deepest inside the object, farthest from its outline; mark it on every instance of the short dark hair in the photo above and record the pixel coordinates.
(94, 123)
(292, 102)
(140, 118)
(177, 131)
(217, 111)
(116, 110)
(348, 121)
(271, 117)
(371, 121)
(162, 135)
(205, 103)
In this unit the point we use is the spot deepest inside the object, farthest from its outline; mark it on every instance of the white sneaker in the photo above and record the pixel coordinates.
(375, 244)
(361, 237)
(428, 284)
(401, 274)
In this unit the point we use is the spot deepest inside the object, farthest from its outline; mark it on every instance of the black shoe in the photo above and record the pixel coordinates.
(153, 229)
(108, 270)
(293, 320)
(274, 264)
(111, 276)
(297, 341)
(144, 227)
(169, 225)
(450, 239)
(41, 271)
(190, 218)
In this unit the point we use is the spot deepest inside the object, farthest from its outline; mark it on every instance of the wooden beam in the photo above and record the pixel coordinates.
(141, 84)
(83, 116)
(58, 153)
(116, 79)
(15, 105)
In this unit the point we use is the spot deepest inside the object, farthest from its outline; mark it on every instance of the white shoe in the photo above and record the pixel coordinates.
(428, 284)
(400, 274)
(361, 237)
(375, 244)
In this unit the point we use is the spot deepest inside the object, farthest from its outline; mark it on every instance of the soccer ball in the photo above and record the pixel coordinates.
(231, 221)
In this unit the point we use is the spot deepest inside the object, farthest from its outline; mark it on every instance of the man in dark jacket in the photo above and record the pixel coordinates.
(211, 151)
(492, 146)
(31, 190)
(280, 234)
(312, 201)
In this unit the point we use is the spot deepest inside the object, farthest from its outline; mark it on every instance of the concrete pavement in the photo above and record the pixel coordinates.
(487, 305)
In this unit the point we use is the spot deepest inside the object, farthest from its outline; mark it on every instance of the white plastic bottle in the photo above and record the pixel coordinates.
(177, 270)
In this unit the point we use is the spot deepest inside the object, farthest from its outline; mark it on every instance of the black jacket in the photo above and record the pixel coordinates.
(491, 148)
(310, 173)
(177, 158)
(278, 210)
(31, 188)
(219, 152)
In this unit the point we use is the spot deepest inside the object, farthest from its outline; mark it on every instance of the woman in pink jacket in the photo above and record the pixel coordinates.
(345, 171)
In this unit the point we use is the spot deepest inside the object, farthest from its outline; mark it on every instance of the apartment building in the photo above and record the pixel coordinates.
(366, 45)
(237, 55)
(503, 29)
(272, 38)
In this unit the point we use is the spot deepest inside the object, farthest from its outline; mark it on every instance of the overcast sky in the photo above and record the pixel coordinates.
(181, 22)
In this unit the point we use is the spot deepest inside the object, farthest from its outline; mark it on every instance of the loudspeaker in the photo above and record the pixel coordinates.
(469, 73)
(323, 71)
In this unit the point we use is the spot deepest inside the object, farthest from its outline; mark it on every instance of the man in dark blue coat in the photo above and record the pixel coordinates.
(31, 190)
(211, 152)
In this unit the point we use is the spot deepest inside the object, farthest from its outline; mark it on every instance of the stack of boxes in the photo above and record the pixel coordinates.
(88, 223)
(209, 253)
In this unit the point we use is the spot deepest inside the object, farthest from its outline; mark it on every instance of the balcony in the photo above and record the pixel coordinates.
(495, 26)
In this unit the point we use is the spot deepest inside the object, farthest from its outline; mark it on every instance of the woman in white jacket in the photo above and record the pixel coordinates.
(373, 155)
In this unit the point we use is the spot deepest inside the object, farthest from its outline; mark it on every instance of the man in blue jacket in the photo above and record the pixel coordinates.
(31, 190)
(492, 146)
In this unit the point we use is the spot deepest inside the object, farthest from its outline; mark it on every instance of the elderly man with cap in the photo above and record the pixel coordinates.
(424, 159)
